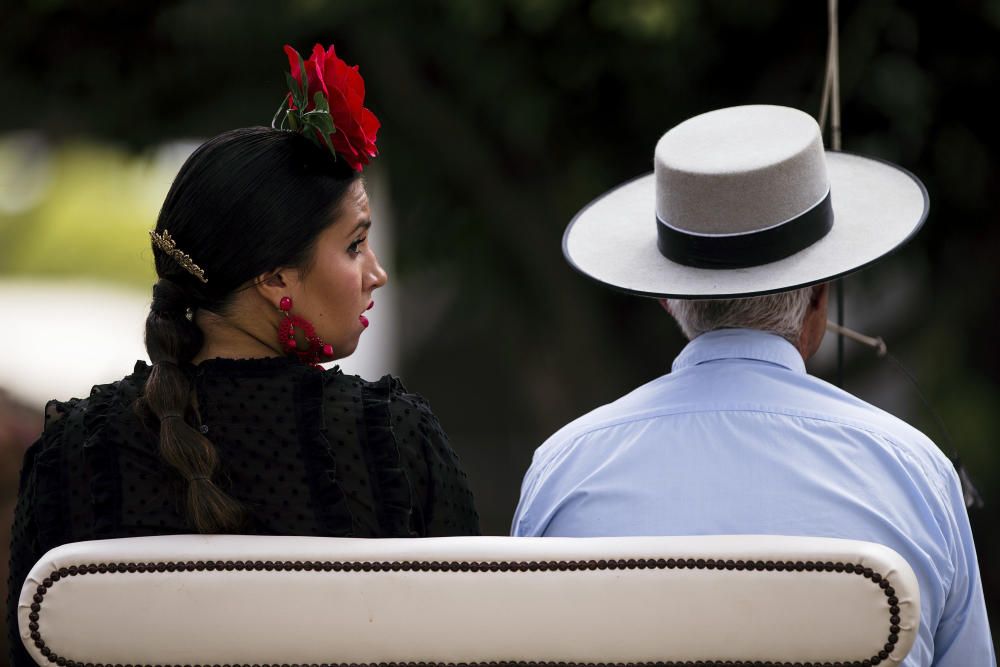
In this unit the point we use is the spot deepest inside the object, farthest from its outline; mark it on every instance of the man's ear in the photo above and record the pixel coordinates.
(276, 284)
(819, 296)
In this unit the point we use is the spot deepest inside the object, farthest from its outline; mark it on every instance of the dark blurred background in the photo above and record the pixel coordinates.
(501, 119)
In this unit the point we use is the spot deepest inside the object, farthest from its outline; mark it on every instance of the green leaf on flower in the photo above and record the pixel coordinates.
(280, 113)
(329, 144)
(317, 129)
(321, 113)
(321, 120)
(321, 102)
(295, 89)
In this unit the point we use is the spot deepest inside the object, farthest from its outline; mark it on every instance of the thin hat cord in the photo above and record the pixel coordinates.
(831, 84)
(970, 494)
(830, 103)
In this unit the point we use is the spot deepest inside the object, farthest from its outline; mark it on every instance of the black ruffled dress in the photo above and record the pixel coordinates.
(307, 451)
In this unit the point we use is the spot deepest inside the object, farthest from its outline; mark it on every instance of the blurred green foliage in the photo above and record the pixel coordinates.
(90, 219)
(501, 118)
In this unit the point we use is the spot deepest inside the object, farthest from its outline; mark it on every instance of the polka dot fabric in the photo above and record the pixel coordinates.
(308, 452)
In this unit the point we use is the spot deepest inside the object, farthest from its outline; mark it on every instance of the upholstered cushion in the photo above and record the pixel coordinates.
(243, 600)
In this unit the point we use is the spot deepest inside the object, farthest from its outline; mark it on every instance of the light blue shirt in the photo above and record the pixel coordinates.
(739, 439)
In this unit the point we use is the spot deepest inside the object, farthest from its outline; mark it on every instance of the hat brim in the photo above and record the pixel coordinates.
(877, 207)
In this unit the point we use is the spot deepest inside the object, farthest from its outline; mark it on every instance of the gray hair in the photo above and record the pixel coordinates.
(782, 313)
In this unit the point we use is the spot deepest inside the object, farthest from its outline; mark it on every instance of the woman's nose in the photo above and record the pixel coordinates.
(377, 276)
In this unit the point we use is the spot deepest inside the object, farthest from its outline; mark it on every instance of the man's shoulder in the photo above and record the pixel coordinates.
(853, 412)
(743, 393)
(639, 404)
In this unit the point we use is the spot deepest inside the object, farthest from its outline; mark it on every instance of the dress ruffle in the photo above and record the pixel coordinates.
(391, 486)
(49, 472)
(102, 461)
(328, 498)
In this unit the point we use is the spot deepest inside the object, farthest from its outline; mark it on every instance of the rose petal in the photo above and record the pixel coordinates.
(347, 151)
(314, 72)
(316, 84)
(370, 124)
(318, 59)
(349, 80)
(342, 116)
(343, 145)
(356, 127)
(330, 67)
(356, 89)
(337, 76)
(347, 125)
(348, 128)
(335, 96)
(293, 67)
(293, 62)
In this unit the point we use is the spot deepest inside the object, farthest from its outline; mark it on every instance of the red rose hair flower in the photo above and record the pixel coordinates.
(329, 101)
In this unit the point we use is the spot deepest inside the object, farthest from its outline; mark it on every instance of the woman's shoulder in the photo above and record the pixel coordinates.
(388, 392)
(404, 435)
(84, 415)
(391, 416)
(73, 441)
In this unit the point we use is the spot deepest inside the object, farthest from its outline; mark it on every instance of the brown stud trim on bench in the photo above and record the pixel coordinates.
(502, 566)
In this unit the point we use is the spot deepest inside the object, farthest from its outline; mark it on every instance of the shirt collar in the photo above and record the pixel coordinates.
(740, 344)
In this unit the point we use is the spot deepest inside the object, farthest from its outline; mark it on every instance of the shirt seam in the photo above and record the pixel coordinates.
(694, 362)
(741, 345)
(769, 411)
(785, 413)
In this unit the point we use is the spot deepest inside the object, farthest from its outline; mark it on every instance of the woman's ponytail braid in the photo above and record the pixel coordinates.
(172, 340)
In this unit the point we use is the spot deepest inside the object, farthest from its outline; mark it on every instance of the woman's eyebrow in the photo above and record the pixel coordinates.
(364, 224)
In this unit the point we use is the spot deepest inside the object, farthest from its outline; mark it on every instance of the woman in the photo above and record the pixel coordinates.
(264, 266)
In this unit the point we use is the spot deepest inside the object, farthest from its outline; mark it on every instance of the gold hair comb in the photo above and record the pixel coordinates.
(165, 243)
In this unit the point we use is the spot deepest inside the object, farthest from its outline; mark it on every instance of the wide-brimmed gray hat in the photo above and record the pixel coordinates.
(745, 201)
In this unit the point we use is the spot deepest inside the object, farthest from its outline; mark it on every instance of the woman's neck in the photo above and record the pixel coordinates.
(227, 338)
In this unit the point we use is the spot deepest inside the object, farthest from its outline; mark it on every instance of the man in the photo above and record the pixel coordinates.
(737, 231)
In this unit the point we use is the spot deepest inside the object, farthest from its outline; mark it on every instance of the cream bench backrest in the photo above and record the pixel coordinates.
(251, 600)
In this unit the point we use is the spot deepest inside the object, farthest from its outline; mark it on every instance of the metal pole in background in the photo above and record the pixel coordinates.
(831, 103)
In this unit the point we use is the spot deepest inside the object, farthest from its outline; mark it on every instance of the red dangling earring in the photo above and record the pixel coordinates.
(286, 336)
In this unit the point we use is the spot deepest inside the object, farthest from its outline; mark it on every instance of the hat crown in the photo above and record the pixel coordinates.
(739, 169)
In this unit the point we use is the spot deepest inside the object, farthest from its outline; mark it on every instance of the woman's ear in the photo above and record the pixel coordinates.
(276, 284)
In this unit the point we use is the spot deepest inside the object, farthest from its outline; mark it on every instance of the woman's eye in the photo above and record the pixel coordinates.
(355, 248)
